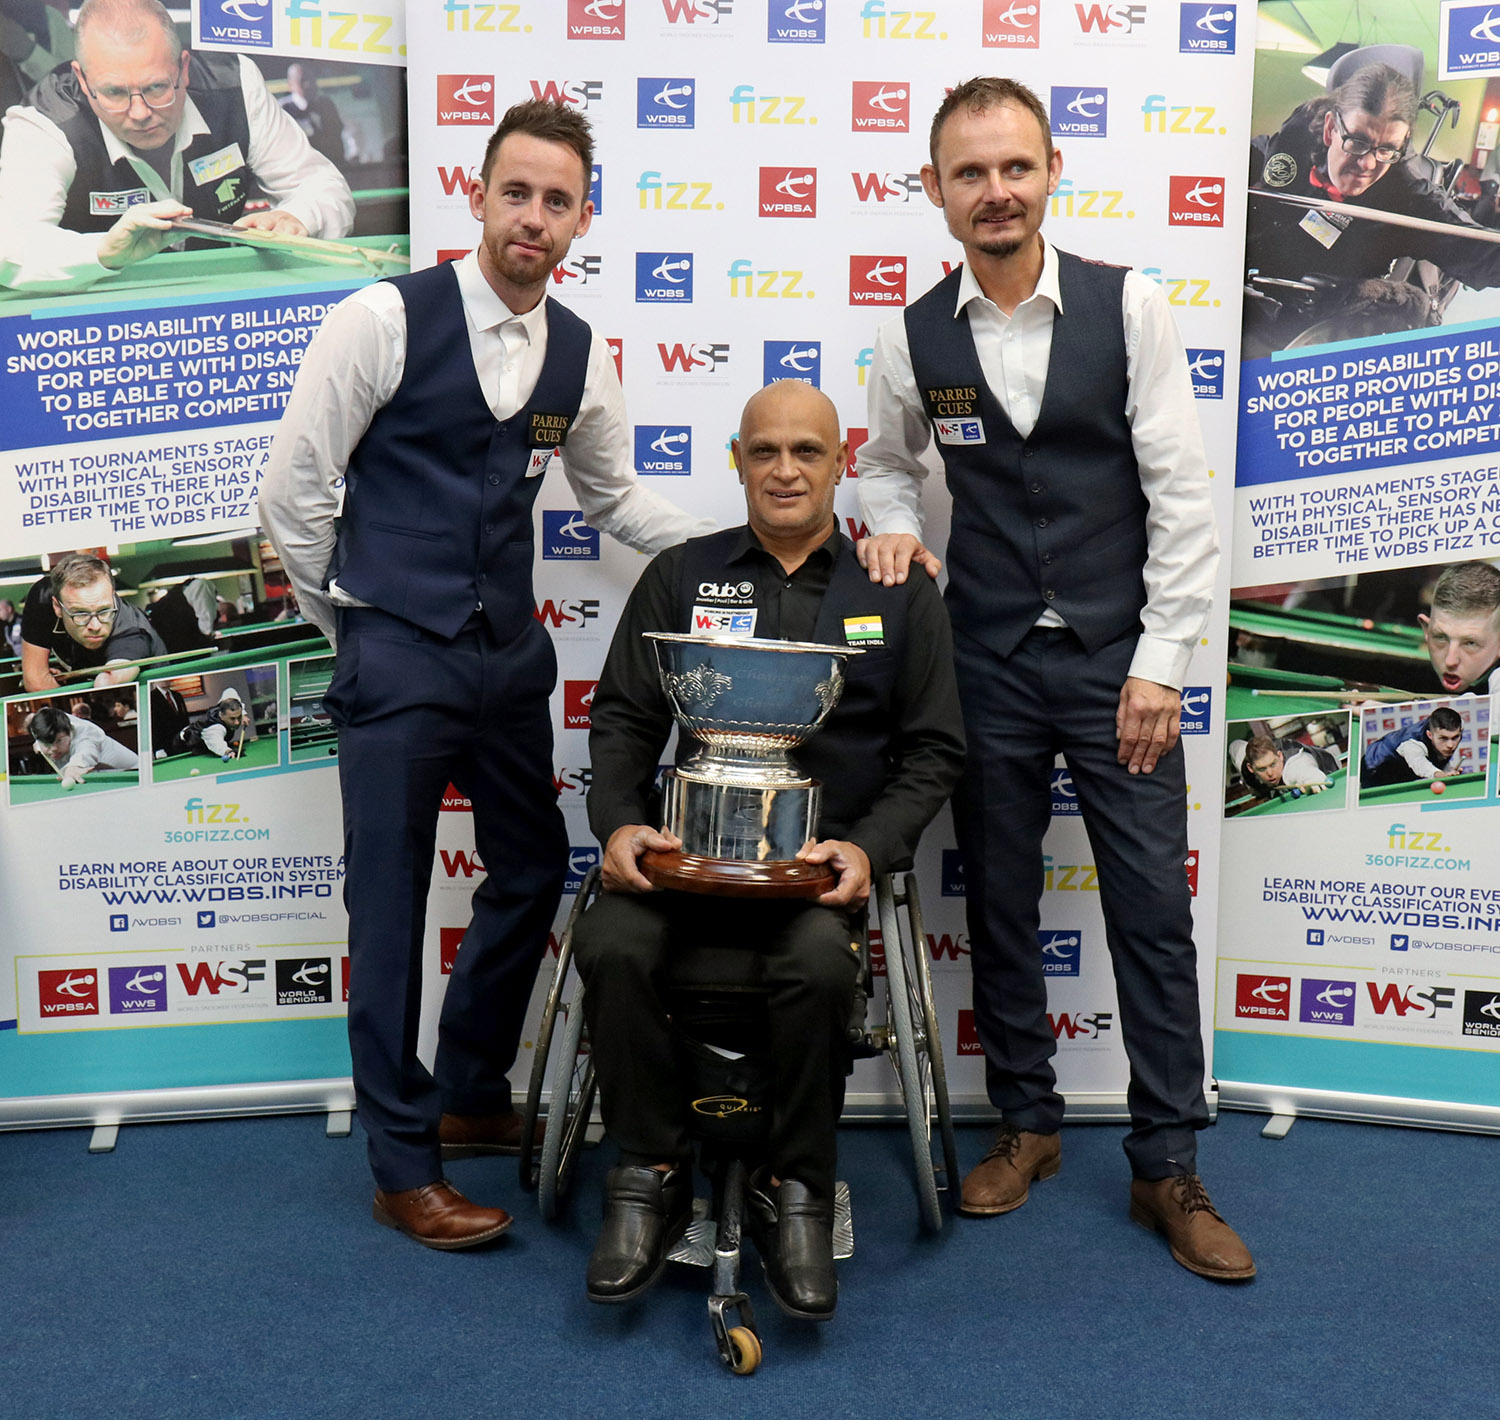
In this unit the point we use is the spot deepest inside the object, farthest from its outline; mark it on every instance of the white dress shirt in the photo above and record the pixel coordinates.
(37, 167)
(88, 748)
(352, 369)
(1014, 351)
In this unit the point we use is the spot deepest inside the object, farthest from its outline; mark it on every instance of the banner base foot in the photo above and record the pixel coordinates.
(1278, 1126)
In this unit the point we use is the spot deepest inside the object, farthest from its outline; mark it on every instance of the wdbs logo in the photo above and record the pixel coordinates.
(1062, 951)
(953, 873)
(793, 360)
(466, 98)
(1327, 1003)
(1197, 705)
(881, 107)
(236, 22)
(663, 448)
(1470, 42)
(580, 860)
(665, 103)
(663, 276)
(1064, 795)
(1079, 113)
(1206, 367)
(796, 21)
(137, 990)
(567, 538)
(1206, 29)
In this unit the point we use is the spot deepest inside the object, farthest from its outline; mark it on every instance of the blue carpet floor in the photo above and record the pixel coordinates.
(231, 1270)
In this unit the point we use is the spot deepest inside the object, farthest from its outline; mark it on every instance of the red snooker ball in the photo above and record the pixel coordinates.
(1438, 786)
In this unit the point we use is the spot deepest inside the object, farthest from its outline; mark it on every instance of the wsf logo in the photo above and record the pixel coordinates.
(1206, 29)
(119, 922)
(1079, 113)
(663, 448)
(1470, 42)
(235, 22)
(663, 276)
(665, 103)
(1197, 705)
(1062, 951)
(1064, 795)
(793, 360)
(567, 538)
(796, 21)
(1206, 369)
(1110, 19)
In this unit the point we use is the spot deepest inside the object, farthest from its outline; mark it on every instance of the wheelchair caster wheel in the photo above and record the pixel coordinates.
(744, 1348)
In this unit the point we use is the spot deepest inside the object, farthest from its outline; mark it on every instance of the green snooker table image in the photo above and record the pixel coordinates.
(43, 788)
(313, 740)
(1334, 797)
(262, 753)
(1327, 628)
(1460, 786)
(226, 271)
(1267, 693)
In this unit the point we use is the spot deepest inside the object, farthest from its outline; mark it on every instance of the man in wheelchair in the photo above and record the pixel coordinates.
(888, 756)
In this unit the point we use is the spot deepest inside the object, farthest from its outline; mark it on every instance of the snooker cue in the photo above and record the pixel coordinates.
(66, 674)
(1391, 697)
(334, 253)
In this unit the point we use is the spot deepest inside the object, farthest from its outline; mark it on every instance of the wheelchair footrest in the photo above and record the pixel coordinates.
(843, 1222)
(696, 1246)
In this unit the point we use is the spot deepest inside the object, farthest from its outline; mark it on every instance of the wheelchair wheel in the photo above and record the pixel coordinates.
(934, 1041)
(747, 1353)
(907, 1028)
(545, 1030)
(568, 1110)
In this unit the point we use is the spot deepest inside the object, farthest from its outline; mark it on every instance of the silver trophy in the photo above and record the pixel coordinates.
(739, 804)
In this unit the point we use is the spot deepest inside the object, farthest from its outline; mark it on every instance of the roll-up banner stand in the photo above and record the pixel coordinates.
(1359, 970)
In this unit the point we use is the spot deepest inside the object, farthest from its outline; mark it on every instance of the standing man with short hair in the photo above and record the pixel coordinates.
(1082, 564)
(436, 431)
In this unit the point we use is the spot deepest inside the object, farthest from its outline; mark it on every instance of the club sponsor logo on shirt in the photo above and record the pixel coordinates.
(112, 204)
(722, 621)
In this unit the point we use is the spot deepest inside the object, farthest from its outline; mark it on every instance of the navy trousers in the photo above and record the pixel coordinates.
(1051, 696)
(415, 711)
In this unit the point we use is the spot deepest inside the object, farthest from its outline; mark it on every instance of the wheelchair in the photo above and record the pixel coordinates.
(718, 1009)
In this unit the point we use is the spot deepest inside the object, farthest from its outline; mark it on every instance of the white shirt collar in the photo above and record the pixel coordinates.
(191, 126)
(486, 311)
(1046, 284)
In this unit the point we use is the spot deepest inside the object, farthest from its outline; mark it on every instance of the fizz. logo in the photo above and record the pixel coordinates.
(1206, 29)
(789, 192)
(886, 187)
(665, 103)
(466, 98)
(881, 106)
(1110, 20)
(659, 194)
(1195, 291)
(596, 19)
(877, 281)
(74, 992)
(304, 981)
(1012, 24)
(1206, 369)
(1197, 706)
(1425, 1002)
(1062, 950)
(1070, 201)
(1263, 998)
(578, 702)
(663, 448)
(567, 538)
(1079, 112)
(580, 859)
(773, 284)
(796, 21)
(693, 359)
(1158, 116)
(1064, 795)
(1072, 1028)
(1195, 201)
(239, 23)
(1326, 1003)
(465, 18)
(793, 360)
(137, 990)
(746, 106)
(662, 277)
(878, 21)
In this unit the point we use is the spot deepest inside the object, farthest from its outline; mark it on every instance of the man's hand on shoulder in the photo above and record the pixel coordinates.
(888, 556)
(1147, 723)
(142, 231)
(849, 861)
(283, 224)
(621, 870)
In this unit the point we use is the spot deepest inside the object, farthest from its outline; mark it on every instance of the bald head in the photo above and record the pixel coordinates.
(790, 459)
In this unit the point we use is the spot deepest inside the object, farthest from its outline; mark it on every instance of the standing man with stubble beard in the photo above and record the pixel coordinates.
(436, 431)
(1082, 563)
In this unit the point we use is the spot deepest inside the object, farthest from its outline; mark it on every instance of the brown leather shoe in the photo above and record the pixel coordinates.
(464, 1135)
(1002, 1181)
(438, 1215)
(1199, 1238)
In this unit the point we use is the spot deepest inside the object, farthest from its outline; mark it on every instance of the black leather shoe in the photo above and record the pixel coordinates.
(645, 1212)
(793, 1232)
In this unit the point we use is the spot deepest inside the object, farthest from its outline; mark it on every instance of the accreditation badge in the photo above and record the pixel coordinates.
(1325, 228)
(958, 431)
(721, 621)
(537, 465)
(112, 204)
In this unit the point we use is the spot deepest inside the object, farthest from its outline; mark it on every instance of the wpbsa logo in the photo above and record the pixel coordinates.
(789, 192)
(596, 19)
(578, 701)
(466, 98)
(68, 993)
(881, 107)
(886, 187)
(1012, 24)
(855, 438)
(877, 281)
(577, 93)
(967, 1036)
(1263, 998)
(1195, 202)
(455, 802)
(617, 354)
(1190, 867)
(449, 941)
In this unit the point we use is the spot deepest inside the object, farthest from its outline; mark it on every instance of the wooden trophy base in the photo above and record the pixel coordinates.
(723, 877)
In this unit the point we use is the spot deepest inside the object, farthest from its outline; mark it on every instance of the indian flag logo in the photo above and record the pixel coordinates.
(863, 628)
